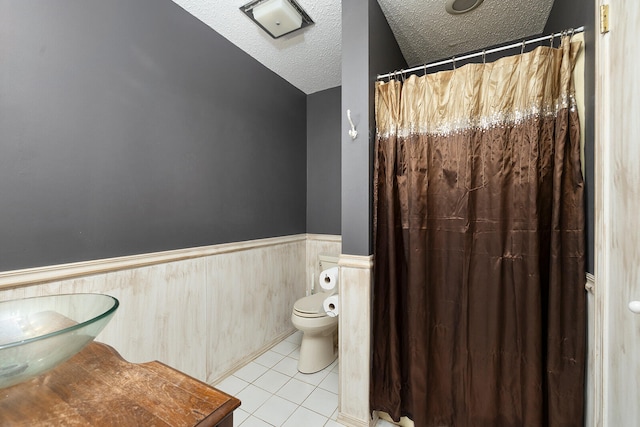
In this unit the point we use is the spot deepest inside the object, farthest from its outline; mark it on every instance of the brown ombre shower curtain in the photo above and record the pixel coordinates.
(479, 302)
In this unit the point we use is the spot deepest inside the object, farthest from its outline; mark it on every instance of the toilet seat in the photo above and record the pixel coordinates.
(311, 306)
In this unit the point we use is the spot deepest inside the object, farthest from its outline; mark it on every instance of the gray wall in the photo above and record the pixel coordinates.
(323, 162)
(130, 127)
(567, 14)
(368, 49)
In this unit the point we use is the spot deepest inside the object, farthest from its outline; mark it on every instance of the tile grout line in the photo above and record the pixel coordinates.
(315, 385)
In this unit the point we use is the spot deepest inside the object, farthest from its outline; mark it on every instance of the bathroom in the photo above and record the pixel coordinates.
(160, 164)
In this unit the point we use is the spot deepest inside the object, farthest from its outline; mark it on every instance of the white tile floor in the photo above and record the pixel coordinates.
(274, 393)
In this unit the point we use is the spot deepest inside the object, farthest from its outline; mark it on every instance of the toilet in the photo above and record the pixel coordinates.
(317, 349)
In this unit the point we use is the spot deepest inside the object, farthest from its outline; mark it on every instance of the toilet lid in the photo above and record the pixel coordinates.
(311, 306)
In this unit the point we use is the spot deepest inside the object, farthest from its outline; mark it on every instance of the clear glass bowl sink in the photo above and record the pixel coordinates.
(37, 334)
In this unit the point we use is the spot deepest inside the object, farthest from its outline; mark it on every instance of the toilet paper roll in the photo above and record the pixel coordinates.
(329, 279)
(331, 306)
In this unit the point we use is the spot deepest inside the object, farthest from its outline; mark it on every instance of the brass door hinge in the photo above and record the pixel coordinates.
(604, 18)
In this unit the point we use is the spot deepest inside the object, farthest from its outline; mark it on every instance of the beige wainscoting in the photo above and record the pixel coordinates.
(354, 329)
(205, 311)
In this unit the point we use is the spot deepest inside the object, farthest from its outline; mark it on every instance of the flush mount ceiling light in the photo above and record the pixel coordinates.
(456, 7)
(277, 17)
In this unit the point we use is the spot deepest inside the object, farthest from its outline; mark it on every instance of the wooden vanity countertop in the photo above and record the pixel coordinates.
(97, 387)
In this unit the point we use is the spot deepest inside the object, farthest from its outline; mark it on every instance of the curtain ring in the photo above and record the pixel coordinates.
(484, 56)
(551, 40)
(522, 48)
(453, 60)
(425, 69)
(572, 32)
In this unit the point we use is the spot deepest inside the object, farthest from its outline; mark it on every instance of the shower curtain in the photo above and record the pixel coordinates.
(479, 302)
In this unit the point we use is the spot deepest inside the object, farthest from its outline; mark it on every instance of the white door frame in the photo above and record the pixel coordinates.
(617, 204)
(601, 215)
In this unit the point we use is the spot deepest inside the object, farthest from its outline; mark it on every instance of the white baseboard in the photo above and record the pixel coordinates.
(239, 364)
(355, 422)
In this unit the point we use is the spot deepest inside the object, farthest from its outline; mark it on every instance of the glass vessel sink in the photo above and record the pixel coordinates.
(37, 334)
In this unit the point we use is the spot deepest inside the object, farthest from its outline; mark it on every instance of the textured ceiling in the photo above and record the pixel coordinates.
(426, 32)
(311, 59)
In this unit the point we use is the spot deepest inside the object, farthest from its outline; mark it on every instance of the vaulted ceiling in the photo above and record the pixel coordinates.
(310, 59)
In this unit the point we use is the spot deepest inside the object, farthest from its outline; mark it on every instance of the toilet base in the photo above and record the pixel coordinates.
(316, 352)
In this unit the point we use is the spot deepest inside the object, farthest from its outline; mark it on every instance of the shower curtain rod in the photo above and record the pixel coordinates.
(481, 53)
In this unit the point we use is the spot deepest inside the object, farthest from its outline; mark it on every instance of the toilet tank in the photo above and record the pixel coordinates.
(327, 261)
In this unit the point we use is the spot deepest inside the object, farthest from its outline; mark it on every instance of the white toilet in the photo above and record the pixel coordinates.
(317, 350)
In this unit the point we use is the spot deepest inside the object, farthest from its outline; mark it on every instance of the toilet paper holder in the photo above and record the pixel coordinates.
(329, 280)
(331, 306)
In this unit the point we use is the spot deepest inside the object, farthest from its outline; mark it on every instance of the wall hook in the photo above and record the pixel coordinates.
(353, 133)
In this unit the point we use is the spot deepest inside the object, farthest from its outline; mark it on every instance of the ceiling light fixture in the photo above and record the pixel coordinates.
(457, 7)
(277, 17)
